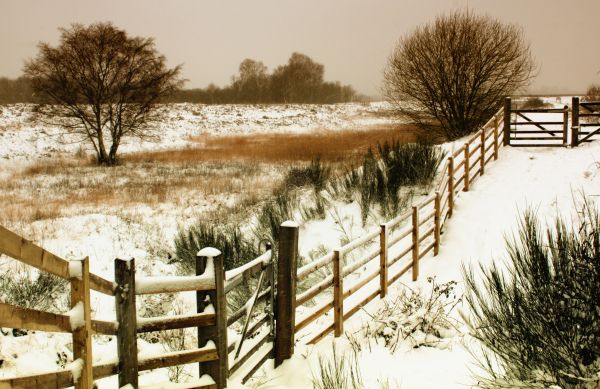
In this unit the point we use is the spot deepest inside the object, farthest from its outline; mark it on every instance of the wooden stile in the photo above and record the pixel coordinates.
(415, 243)
(437, 223)
(126, 317)
(450, 186)
(338, 292)
(467, 168)
(383, 265)
(82, 336)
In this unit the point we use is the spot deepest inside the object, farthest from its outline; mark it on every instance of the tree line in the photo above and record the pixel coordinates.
(298, 81)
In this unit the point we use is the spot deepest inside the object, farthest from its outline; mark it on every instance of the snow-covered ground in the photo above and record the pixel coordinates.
(547, 179)
(22, 139)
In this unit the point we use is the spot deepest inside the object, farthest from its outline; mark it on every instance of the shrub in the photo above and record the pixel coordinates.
(592, 93)
(276, 210)
(534, 102)
(35, 290)
(419, 318)
(383, 178)
(538, 320)
(235, 248)
(315, 174)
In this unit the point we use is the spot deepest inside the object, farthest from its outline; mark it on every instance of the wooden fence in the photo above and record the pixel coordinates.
(344, 285)
(396, 247)
(78, 321)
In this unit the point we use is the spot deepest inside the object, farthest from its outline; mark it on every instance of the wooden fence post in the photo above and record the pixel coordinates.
(285, 308)
(507, 108)
(575, 122)
(565, 125)
(127, 322)
(200, 305)
(495, 137)
(82, 335)
(383, 266)
(467, 168)
(338, 293)
(482, 160)
(450, 186)
(218, 369)
(415, 243)
(271, 279)
(437, 224)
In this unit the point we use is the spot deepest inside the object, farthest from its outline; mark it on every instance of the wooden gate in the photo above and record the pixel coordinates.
(535, 127)
(585, 121)
(253, 287)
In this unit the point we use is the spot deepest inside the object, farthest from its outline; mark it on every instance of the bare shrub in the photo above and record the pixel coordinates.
(449, 76)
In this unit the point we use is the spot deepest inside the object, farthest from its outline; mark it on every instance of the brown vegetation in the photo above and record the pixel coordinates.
(332, 146)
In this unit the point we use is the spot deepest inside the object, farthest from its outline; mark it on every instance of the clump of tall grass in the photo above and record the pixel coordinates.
(279, 208)
(385, 178)
(538, 317)
(339, 372)
(235, 247)
(316, 174)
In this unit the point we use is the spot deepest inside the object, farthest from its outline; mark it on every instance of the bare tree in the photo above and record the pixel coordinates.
(102, 85)
(450, 76)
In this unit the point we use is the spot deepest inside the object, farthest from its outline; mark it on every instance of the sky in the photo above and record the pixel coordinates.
(352, 38)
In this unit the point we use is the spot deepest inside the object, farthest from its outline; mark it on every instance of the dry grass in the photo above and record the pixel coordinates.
(220, 170)
(332, 146)
(47, 190)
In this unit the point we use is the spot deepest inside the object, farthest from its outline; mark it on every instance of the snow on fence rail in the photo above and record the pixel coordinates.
(210, 320)
(397, 246)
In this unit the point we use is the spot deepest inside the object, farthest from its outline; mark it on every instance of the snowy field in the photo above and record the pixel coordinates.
(549, 180)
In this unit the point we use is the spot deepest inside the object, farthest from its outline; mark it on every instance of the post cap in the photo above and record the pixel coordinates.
(209, 252)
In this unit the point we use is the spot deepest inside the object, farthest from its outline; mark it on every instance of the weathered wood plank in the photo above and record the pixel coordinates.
(126, 317)
(175, 322)
(285, 309)
(338, 291)
(30, 319)
(82, 335)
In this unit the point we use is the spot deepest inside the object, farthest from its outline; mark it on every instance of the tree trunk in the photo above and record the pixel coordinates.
(112, 156)
(103, 158)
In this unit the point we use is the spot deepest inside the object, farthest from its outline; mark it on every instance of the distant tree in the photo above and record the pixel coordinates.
(102, 84)
(298, 81)
(450, 76)
(252, 83)
(592, 93)
(15, 91)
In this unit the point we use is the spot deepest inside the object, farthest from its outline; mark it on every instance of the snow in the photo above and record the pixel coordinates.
(76, 316)
(209, 252)
(76, 368)
(549, 180)
(76, 269)
(169, 284)
(290, 224)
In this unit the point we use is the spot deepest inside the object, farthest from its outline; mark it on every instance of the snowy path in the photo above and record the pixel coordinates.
(546, 179)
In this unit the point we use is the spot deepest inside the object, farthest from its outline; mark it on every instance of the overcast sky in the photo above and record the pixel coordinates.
(352, 38)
